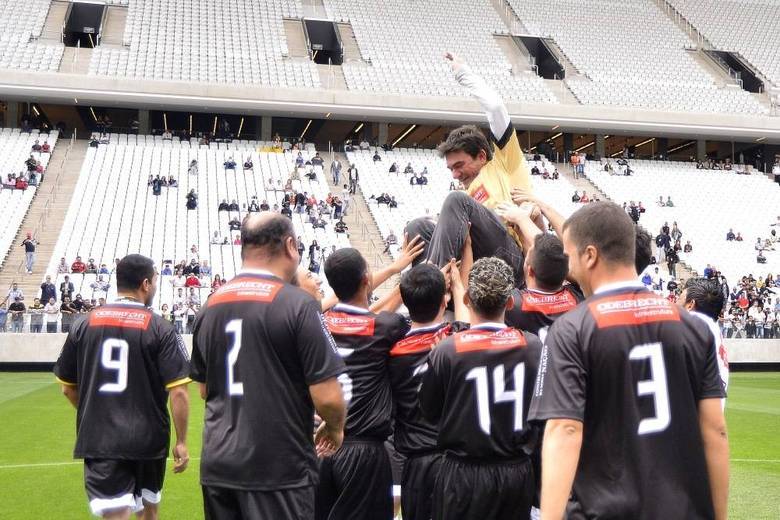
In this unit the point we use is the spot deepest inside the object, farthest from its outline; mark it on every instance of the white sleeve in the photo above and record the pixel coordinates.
(492, 104)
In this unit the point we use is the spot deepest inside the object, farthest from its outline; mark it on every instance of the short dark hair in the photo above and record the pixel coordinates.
(644, 250)
(706, 295)
(422, 289)
(344, 270)
(605, 226)
(268, 232)
(467, 138)
(491, 282)
(549, 262)
(132, 270)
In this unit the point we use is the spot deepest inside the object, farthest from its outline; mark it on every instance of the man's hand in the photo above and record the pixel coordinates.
(514, 214)
(455, 61)
(181, 457)
(520, 195)
(327, 440)
(409, 251)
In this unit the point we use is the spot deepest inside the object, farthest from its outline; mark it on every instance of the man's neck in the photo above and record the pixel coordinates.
(612, 275)
(476, 319)
(360, 301)
(272, 267)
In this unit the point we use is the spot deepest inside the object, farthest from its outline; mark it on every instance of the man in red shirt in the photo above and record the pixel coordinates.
(192, 281)
(78, 266)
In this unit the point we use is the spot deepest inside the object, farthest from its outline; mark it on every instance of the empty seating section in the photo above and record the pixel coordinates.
(421, 200)
(113, 211)
(235, 41)
(21, 22)
(745, 26)
(707, 204)
(631, 55)
(14, 150)
(405, 42)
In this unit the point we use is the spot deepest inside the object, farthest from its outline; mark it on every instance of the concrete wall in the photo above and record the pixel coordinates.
(45, 348)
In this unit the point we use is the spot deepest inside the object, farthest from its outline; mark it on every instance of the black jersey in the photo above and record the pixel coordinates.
(412, 433)
(632, 367)
(258, 344)
(478, 388)
(122, 357)
(534, 310)
(364, 340)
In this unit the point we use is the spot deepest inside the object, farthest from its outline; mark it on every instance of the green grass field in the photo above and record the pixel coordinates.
(38, 478)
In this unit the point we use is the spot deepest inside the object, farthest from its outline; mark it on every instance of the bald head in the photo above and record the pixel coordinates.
(266, 234)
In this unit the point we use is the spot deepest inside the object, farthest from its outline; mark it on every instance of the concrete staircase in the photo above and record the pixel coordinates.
(75, 61)
(45, 218)
(517, 56)
(114, 26)
(349, 42)
(363, 233)
(510, 18)
(717, 72)
(332, 77)
(314, 9)
(55, 20)
(685, 26)
(296, 39)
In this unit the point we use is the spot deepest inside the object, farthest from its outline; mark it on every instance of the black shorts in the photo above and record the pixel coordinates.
(355, 483)
(115, 484)
(396, 466)
(235, 504)
(417, 484)
(489, 491)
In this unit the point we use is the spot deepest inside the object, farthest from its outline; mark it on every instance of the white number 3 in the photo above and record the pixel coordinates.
(655, 386)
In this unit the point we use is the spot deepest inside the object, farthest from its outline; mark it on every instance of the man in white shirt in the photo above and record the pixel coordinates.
(51, 312)
(345, 198)
(180, 298)
(15, 292)
(178, 281)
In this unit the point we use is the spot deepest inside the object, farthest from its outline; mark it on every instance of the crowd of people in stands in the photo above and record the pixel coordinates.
(753, 308)
(33, 171)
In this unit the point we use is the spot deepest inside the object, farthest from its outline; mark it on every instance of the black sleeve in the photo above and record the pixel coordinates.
(561, 379)
(198, 361)
(316, 346)
(172, 360)
(397, 327)
(434, 380)
(65, 370)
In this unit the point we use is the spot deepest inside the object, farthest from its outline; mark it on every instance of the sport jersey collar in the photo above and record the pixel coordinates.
(422, 330)
(489, 325)
(628, 284)
(539, 291)
(260, 272)
(350, 308)
(122, 301)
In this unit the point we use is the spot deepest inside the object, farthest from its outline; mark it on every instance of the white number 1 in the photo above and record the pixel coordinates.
(234, 328)
(119, 364)
(500, 394)
(655, 386)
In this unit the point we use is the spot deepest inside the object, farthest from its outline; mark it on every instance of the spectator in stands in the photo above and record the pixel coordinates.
(31, 163)
(79, 304)
(217, 283)
(688, 248)
(36, 147)
(36, 316)
(237, 240)
(15, 292)
(340, 227)
(662, 242)
(377, 157)
(633, 212)
(192, 268)
(248, 163)
(156, 185)
(739, 237)
(68, 313)
(223, 206)
(93, 142)
(265, 207)
(230, 164)
(103, 269)
(730, 235)
(192, 200)
(575, 197)
(66, 288)
(233, 206)
(78, 266)
(584, 199)
(393, 168)
(335, 171)
(46, 147)
(299, 160)
(391, 240)
(172, 183)
(286, 211)
(314, 249)
(166, 270)
(393, 203)
(179, 298)
(353, 177)
(17, 309)
(21, 184)
(100, 285)
(29, 244)
(669, 203)
(253, 205)
(364, 145)
(192, 280)
(91, 267)
(52, 313)
(167, 135)
(178, 318)
(178, 280)
(193, 167)
(317, 161)
(48, 291)
(676, 234)
(300, 202)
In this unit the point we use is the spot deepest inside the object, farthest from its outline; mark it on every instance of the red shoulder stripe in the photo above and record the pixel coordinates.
(474, 340)
(342, 323)
(632, 309)
(116, 317)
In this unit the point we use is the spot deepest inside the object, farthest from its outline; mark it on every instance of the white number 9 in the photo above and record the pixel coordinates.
(119, 364)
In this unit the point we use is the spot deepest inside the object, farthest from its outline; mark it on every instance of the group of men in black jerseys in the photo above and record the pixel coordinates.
(538, 396)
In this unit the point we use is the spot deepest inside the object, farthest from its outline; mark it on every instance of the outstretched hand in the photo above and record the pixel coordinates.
(515, 213)
(409, 251)
(455, 62)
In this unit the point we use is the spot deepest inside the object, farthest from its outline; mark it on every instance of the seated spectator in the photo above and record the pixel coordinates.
(393, 168)
(216, 239)
(340, 227)
(286, 211)
(377, 157)
(248, 163)
(364, 145)
(172, 183)
(100, 285)
(91, 267)
(166, 270)
(205, 268)
(31, 163)
(669, 203)
(739, 237)
(299, 160)
(233, 206)
(191, 268)
(217, 283)
(253, 206)
(36, 147)
(179, 280)
(760, 258)
(759, 246)
(393, 203)
(575, 197)
(21, 183)
(688, 248)
(317, 160)
(192, 280)
(234, 224)
(677, 246)
(46, 148)
(193, 168)
(730, 235)
(413, 179)
(391, 240)
(192, 200)
(661, 201)
(78, 266)
(223, 206)
(768, 245)
(556, 174)
(167, 135)
(422, 180)
(584, 199)
(237, 240)
(33, 181)
(264, 206)
(230, 164)
(318, 222)
(409, 168)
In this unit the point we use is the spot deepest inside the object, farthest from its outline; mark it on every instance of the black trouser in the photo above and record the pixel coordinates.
(355, 483)
(235, 504)
(417, 484)
(51, 326)
(445, 238)
(489, 491)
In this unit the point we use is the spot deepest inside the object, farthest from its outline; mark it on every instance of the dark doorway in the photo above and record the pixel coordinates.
(324, 41)
(82, 25)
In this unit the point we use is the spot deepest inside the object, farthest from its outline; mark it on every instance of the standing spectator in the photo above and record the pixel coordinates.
(78, 266)
(688, 247)
(192, 200)
(29, 244)
(193, 167)
(353, 178)
(335, 171)
(671, 261)
(62, 267)
(48, 291)
(193, 298)
(52, 312)
(301, 248)
(165, 312)
(36, 316)
(377, 157)
(676, 233)
(346, 196)
(100, 286)
(66, 288)
(3, 316)
(15, 292)
(191, 313)
(17, 310)
(730, 235)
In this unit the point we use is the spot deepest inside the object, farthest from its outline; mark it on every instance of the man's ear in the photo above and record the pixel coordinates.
(591, 257)
(510, 303)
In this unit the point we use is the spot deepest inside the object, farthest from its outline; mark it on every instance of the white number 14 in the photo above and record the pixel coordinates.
(500, 394)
